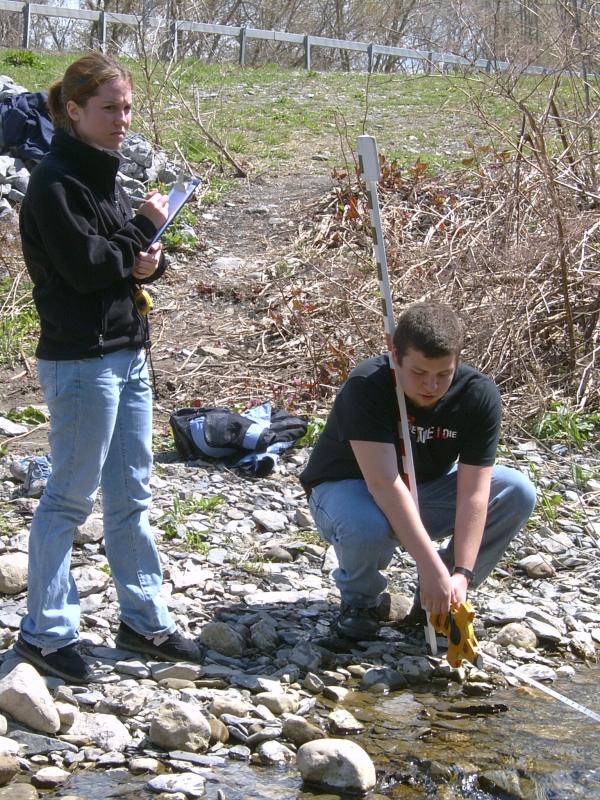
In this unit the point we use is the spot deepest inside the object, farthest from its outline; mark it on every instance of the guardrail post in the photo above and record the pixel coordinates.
(102, 31)
(242, 47)
(26, 25)
(307, 52)
(370, 58)
(174, 34)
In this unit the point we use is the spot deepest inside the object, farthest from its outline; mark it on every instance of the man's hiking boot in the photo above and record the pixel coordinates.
(164, 647)
(357, 623)
(416, 617)
(65, 663)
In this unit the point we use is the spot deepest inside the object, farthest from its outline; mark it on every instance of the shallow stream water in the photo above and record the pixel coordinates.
(520, 744)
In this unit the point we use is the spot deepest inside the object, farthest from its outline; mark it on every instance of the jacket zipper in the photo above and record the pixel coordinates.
(101, 335)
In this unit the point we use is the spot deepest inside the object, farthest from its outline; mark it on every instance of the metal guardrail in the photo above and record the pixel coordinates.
(104, 18)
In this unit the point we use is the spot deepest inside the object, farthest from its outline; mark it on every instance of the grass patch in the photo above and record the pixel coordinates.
(269, 114)
(28, 416)
(564, 424)
(313, 431)
(19, 324)
(173, 523)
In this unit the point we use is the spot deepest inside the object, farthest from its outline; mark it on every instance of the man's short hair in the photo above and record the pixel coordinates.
(431, 328)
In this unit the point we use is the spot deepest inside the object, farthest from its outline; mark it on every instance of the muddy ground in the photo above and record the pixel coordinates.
(210, 327)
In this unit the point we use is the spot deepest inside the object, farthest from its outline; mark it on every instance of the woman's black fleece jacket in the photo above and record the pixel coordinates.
(80, 242)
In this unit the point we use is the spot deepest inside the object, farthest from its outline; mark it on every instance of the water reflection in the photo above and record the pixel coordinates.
(536, 750)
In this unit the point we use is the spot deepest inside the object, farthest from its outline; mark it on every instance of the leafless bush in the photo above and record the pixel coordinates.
(485, 242)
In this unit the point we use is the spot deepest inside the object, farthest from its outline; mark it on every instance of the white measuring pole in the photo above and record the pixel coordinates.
(369, 168)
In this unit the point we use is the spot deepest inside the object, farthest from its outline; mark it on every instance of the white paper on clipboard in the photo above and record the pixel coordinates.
(178, 197)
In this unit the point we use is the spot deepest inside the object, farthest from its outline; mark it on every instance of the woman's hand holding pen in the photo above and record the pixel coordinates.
(156, 208)
(146, 263)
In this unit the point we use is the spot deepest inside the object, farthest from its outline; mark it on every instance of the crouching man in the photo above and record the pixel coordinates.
(362, 506)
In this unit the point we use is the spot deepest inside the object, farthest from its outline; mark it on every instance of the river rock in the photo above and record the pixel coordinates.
(501, 611)
(143, 764)
(342, 721)
(230, 703)
(67, 714)
(180, 726)
(278, 702)
(383, 676)
(104, 730)
(271, 521)
(582, 645)
(274, 753)
(123, 702)
(501, 782)
(336, 693)
(537, 566)
(36, 744)
(306, 656)
(91, 531)
(19, 791)
(518, 635)
(264, 636)
(182, 671)
(23, 695)
(8, 428)
(539, 672)
(13, 573)
(312, 683)
(543, 630)
(219, 732)
(50, 777)
(89, 580)
(9, 767)
(299, 730)
(336, 764)
(188, 783)
(8, 747)
(223, 638)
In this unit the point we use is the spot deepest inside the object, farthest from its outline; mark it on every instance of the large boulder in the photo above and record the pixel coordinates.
(336, 764)
(24, 696)
(180, 726)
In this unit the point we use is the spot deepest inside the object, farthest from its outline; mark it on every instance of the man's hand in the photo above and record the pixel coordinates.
(459, 585)
(146, 263)
(156, 208)
(435, 586)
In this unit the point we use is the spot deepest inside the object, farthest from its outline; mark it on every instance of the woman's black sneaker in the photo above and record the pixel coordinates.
(164, 647)
(357, 623)
(65, 663)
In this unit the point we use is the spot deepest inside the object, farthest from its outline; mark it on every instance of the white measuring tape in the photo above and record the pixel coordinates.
(546, 689)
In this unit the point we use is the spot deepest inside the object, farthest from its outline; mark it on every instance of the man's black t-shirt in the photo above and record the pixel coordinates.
(463, 425)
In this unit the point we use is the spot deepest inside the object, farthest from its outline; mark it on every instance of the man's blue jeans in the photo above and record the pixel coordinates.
(348, 518)
(100, 435)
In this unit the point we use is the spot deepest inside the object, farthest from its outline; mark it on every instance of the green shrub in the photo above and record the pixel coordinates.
(23, 58)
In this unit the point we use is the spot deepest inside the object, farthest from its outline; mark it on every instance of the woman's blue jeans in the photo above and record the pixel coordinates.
(100, 436)
(348, 518)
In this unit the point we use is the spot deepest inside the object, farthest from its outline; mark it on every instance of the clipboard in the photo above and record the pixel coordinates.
(178, 197)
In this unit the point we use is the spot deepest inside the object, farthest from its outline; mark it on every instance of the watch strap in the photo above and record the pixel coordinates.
(468, 573)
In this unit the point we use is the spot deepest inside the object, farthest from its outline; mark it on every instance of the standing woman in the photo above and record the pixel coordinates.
(85, 252)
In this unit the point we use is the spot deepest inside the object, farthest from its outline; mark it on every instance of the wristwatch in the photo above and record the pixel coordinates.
(464, 571)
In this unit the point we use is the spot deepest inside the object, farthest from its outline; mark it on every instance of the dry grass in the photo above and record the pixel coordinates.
(486, 244)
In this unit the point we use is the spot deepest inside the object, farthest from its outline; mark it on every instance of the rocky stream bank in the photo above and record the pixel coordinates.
(247, 575)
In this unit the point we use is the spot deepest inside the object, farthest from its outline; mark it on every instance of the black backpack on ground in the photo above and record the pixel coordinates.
(224, 432)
